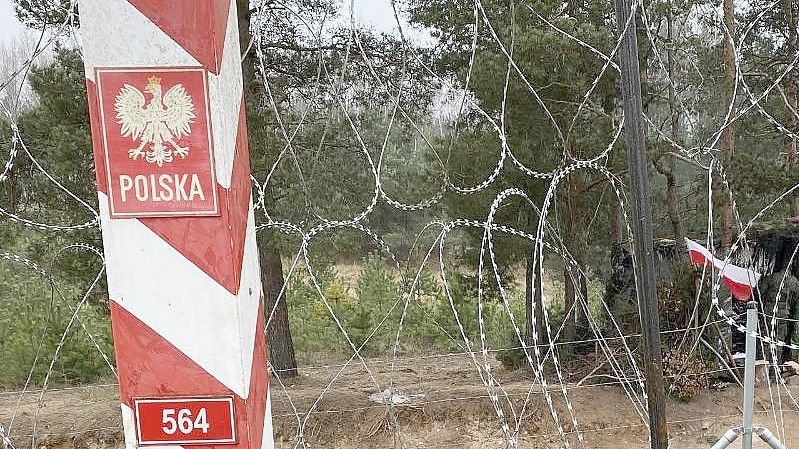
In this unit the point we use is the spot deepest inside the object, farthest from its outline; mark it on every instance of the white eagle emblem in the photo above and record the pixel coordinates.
(165, 119)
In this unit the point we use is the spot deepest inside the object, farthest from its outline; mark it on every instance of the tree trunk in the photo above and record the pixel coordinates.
(533, 299)
(728, 138)
(792, 108)
(582, 317)
(667, 168)
(613, 286)
(569, 289)
(569, 295)
(616, 225)
(12, 191)
(278, 331)
(575, 294)
(577, 246)
(574, 282)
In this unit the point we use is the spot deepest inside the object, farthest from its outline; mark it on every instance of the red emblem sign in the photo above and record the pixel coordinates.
(157, 139)
(185, 421)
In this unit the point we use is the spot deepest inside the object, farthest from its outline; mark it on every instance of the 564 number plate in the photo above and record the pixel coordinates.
(185, 421)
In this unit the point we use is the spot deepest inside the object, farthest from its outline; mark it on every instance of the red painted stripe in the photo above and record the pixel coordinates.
(741, 292)
(199, 26)
(97, 136)
(150, 366)
(216, 244)
(259, 383)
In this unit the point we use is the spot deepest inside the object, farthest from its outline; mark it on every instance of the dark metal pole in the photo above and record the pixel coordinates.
(642, 225)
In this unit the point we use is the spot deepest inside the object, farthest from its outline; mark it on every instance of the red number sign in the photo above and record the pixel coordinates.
(157, 139)
(185, 421)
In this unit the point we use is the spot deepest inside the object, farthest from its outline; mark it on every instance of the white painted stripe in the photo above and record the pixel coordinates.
(735, 273)
(226, 92)
(128, 426)
(249, 303)
(268, 440)
(166, 291)
(121, 36)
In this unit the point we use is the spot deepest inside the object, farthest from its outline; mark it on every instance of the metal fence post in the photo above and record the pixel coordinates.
(642, 224)
(749, 374)
(748, 429)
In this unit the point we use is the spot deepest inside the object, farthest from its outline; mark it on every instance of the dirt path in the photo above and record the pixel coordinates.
(455, 412)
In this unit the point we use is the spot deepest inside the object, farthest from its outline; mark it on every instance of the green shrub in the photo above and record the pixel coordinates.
(33, 318)
(376, 305)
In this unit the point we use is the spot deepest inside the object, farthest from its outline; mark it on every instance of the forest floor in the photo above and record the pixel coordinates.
(455, 411)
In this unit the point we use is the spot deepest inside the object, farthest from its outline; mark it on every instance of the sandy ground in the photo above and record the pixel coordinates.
(455, 412)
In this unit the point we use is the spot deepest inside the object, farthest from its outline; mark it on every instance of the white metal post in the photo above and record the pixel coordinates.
(748, 429)
(749, 374)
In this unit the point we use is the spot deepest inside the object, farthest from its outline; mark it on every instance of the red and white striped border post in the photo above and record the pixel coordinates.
(185, 287)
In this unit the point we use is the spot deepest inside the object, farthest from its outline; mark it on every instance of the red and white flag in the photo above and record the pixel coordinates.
(739, 281)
